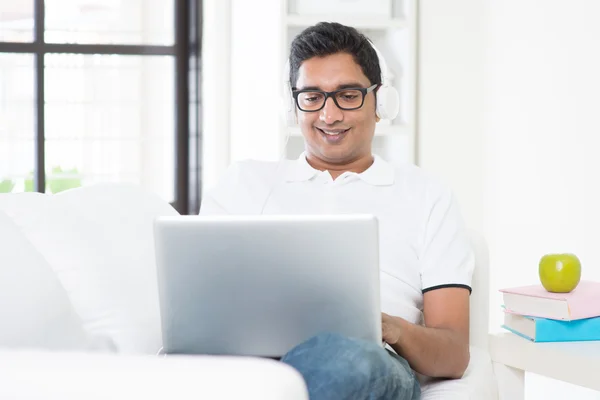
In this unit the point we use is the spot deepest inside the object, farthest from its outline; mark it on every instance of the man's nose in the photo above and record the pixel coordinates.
(331, 112)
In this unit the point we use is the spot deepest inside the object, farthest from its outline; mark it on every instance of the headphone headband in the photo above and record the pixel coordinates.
(385, 75)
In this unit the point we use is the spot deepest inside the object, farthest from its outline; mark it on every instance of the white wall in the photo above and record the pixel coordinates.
(510, 93)
(256, 72)
(242, 74)
(542, 130)
(450, 93)
(216, 89)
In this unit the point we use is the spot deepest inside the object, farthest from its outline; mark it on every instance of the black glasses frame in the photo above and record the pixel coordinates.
(327, 95)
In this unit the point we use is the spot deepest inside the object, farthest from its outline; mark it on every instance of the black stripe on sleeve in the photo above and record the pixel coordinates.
(449, 285)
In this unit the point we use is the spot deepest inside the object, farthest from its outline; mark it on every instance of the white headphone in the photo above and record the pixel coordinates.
(388, 99)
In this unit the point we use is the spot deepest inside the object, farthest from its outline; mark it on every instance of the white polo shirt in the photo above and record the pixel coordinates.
(423, 243)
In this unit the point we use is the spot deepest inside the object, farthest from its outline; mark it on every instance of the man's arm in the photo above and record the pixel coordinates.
(441, 347)
(210, 206)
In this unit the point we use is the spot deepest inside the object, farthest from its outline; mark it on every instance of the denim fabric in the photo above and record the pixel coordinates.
(337, 367)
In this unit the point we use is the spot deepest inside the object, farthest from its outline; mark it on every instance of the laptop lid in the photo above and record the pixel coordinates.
(260, 285)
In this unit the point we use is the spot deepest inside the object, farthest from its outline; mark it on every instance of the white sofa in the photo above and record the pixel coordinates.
(79, 298)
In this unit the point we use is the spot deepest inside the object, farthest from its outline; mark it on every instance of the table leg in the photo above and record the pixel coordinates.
(511, 382)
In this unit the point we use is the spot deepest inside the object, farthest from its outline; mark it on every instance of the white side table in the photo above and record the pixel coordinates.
(573, 362)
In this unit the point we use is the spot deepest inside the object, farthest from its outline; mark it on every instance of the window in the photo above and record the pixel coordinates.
(101, 91)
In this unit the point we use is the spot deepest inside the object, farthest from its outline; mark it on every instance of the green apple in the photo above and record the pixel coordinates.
(560, 273)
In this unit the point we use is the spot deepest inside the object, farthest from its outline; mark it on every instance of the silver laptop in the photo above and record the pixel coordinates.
(260, 285)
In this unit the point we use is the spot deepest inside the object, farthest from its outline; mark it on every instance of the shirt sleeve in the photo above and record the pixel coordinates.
(218, 199)
(243, 189)
(210, 206)
(447, 259)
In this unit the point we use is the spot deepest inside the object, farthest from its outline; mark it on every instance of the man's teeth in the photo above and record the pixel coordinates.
(333, 133)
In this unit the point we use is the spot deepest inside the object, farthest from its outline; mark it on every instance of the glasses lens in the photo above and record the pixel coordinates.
(310, 101)
(350, 98)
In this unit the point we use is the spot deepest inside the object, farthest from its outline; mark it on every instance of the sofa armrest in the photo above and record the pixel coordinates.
(67, 376)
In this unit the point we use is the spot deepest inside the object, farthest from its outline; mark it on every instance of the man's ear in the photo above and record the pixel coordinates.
(377, 119)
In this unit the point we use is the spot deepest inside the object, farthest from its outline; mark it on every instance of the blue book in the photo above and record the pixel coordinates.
(539, 329)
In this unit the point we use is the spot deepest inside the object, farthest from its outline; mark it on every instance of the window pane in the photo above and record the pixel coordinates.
(110, 118)
(16, 21)
(17, 122)
(110, 21)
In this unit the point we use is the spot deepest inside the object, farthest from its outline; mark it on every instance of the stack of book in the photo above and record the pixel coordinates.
(541, 316)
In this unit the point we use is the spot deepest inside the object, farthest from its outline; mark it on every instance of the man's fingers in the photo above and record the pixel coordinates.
(384, 329)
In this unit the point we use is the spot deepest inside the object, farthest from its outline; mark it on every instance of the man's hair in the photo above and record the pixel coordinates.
(327, 38)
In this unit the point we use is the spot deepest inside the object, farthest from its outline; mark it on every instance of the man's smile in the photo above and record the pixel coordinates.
(333, 135)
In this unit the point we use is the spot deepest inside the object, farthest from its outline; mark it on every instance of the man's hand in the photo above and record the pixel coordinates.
(390, 329)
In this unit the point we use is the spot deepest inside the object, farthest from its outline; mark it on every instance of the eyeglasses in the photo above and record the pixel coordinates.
(310, 100)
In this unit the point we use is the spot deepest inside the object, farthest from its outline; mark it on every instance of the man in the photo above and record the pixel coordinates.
(425, 259)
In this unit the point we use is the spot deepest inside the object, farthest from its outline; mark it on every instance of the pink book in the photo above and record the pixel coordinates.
(534, 300)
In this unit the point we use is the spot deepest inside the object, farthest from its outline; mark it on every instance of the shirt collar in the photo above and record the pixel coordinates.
(380, 173)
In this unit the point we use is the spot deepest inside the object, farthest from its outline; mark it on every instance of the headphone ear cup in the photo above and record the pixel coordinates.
(288, 111)
(288, 106)
(291, 117)
(388, 102)
(388, 99)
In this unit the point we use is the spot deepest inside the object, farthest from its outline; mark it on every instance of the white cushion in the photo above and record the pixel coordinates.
(478, 382)
(35, 311)
(99, 241)
(37, 376)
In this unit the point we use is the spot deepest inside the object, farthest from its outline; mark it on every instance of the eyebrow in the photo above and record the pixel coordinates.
(351, 85)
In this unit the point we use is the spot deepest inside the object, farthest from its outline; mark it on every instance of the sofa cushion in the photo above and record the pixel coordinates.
(99, 241)
(478, 382)
(34, 307)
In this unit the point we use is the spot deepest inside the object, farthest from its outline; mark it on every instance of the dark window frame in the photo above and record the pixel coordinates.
(186, 50)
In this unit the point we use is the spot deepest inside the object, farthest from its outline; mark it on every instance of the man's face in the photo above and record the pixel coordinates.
(333, 135)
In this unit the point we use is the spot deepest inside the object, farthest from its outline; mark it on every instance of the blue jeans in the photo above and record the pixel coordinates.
(337, 367)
